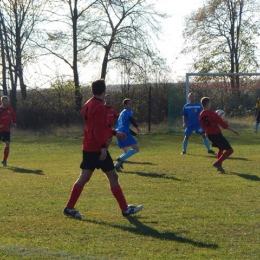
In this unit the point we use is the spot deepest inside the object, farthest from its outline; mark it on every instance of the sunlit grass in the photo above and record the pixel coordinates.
(190, 210)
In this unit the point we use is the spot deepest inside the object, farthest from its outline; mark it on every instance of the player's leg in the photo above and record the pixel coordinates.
(108, 169)
(225, 155)
(207, 144)
(75, 193)
(185, 142)
(89, 163)
(6, 138)
(131, 143)
(223, 145)
(220, 152)
(129, 152)
(257, 122)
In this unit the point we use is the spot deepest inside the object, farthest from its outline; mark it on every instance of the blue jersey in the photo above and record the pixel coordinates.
(191, 112)
(123, 124)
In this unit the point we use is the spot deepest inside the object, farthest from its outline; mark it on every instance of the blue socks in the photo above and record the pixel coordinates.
(256, 127)
(206, 142)
(185, 144)
(125, 156)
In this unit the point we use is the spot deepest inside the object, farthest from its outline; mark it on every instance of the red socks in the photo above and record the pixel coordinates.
(6, 153)
(224, 156)
(119, 196)
(74, 195)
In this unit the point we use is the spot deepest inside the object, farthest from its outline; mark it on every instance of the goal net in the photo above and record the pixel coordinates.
(238, 100)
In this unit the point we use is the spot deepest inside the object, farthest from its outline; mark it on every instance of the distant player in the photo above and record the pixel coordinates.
(129, 145)
(257, 115)
(7, 119)
(210, 122)
(190, 119)
(112, 115)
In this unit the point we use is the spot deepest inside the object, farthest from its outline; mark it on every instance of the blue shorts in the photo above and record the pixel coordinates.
(197, 129)
(127, 142)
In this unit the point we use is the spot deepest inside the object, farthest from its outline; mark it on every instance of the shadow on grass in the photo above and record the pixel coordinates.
(247, 176)
(238, 158)
(23, 170)
(153, 175)
(146, 163)
(141, 229)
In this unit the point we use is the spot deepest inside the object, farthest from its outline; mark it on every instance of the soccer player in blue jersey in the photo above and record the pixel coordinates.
(190, 118)
(257, 115)
(128, 145)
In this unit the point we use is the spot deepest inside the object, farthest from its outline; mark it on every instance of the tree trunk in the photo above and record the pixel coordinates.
(104, 64)
(78, 96)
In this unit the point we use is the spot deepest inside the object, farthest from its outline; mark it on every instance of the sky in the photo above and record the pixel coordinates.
(171, 41)
(169, 45)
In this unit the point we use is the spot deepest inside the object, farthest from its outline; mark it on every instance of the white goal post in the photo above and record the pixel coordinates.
(191, 74)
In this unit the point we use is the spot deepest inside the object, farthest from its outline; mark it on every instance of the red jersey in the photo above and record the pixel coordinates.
(111, 115)
(95, 127)
(210, 121)
(7, 116)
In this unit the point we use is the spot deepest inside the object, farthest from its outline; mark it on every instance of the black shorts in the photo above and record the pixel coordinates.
(91, 162)
(5, 136)
(220, 142)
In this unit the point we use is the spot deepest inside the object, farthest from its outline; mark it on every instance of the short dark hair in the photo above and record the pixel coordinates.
(125, 101)
(4, 97)
(204, 101)
(98, 87)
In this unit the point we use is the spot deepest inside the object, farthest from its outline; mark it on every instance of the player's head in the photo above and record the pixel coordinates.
(5, 101)
(191, 97)
(205, 101)
(108, 99)
(98, 87)
(127, 103)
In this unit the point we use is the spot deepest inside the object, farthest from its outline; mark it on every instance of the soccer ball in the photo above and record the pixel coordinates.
(221, 113)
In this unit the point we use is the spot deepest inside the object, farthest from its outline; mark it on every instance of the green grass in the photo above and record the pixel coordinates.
(190, 210)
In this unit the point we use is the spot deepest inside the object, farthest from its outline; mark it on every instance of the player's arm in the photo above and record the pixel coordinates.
(233, 130)
(132, 121)
(184, 119)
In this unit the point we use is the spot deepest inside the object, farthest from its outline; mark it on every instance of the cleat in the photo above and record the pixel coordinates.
(219, 167)
(211, 151)
(183, 152)
(118, 168)
(222, 170)
(131, 210)
(120, 161)
(72, 213)
(4, 163)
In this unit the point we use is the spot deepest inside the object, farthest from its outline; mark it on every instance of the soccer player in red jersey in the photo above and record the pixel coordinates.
(95, 153)
(210, 122)
(7, 119)
(112, 115)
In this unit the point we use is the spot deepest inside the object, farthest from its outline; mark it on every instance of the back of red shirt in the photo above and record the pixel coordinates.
(7, 116)
(95, 128)
(210, 121)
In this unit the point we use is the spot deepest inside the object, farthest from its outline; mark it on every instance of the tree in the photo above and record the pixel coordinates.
(223, 34)
(17, 21)
(68, 40)
(125, 31)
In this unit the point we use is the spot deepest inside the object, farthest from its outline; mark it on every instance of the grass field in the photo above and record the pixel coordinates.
(190, 210)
